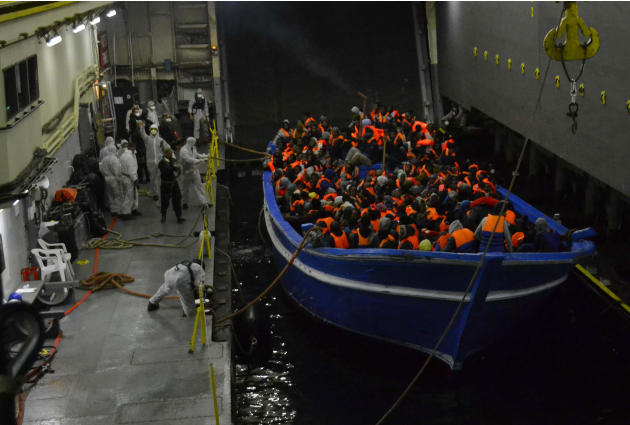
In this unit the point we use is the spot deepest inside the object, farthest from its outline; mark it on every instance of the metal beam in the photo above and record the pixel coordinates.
(10, 16)
(423, 61)
(216, 69)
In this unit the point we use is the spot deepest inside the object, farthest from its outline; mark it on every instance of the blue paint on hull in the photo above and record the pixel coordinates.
(408, 297)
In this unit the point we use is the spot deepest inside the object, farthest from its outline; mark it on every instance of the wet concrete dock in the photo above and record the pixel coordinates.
(119, 364)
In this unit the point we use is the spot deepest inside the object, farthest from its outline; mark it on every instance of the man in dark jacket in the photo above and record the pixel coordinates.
(169, 189)
(137, 119)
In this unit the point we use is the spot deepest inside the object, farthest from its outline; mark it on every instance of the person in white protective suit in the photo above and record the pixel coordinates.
(112, 173)
(155, 147)
(152, 115)
(198, 111)
(129, 182)
(183, 278)
(191, 180)
(109, 141)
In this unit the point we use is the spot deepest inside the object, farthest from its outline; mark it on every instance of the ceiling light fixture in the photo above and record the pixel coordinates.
(54, 40)
(95, 20)
(80, 27)
(111, 13)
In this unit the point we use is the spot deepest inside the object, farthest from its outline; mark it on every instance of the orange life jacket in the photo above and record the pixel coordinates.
(285, 133)
(464, 240)
(362, 241)
(280, 192)
(384, 241)
(498, 239)
(510, 217)
(440, 244)
(341, 241)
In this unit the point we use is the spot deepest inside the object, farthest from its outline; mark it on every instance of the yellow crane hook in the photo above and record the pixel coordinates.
(570, 48)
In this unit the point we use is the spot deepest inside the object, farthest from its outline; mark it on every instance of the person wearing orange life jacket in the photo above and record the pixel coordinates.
(408, 238)
(502, 238)
(422, 128)
(284, 189)
(325, 223)
(336, 237)
(284, 133)
(309, 121)
(462, 239)
(323, 125)
(363, 236)
(442, 240)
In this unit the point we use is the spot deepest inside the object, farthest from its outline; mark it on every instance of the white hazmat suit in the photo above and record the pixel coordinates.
(191, 180)
(112, 173)
(198, 108)
(178, 279)
(155, 146)
(129, 167)
(109, 141)
(152, 113)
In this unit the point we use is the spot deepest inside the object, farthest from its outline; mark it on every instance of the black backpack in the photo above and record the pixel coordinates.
(188, 265)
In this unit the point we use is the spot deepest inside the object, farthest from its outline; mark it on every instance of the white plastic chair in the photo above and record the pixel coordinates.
(62, 251)
(50, 261)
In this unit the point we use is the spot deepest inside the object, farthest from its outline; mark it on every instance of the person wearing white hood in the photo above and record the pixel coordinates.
(190, 158)
(111, 170)
(155, 147)
(152, 115)
(129, 186)
(109, 141)
(198, 111)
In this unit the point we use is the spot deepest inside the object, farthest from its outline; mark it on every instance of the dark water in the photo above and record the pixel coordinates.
(569, 366)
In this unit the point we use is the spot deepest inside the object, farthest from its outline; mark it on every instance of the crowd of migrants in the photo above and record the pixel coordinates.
(427, 199)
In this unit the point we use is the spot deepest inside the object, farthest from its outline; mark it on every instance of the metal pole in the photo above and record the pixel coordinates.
(433, 56)
(216, 70)
(225, 83)
(133, 83)
(214, 394)
(114, 61)
(423, 62)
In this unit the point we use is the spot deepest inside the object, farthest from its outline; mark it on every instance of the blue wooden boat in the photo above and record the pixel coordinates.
(408, 297)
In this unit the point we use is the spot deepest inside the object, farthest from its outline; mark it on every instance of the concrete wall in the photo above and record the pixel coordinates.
(601, 145)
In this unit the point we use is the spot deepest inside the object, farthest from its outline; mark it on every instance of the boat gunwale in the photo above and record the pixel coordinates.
(579, 248)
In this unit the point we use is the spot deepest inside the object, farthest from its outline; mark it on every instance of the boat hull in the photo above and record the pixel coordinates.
(409, 297)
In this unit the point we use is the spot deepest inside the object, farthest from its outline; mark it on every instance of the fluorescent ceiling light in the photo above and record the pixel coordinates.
(17, 201)
(111, 13)
(78, 28)
(95, 20)
(56, 39)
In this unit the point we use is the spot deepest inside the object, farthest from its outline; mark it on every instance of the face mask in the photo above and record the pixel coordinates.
(153, 132)
(200, 96)
(168, 120)
(152, 108)
(137, 114)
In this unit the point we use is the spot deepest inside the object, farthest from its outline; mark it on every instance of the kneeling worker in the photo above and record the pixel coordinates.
(185, 279)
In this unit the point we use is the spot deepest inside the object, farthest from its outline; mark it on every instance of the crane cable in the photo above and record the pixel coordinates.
(479, 265)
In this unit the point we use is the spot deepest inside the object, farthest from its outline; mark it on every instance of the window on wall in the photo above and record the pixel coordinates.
(21, 86)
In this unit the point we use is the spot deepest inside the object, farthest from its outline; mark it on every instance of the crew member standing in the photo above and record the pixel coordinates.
(191, 160)
(136, 122)
(169, 189)
(199, 112)
(155, 147)
(112, 173)
(129, 181)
